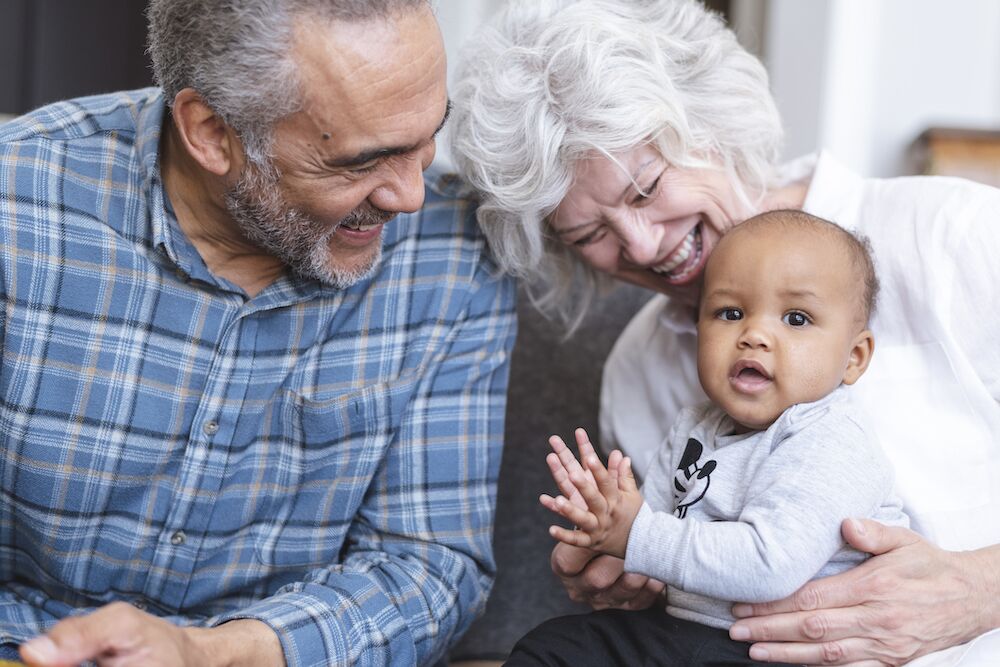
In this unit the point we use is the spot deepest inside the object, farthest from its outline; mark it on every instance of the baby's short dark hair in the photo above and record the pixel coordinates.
(858, 247)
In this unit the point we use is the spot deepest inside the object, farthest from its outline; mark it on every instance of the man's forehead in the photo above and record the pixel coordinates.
(380, 74)
(366, 52)
(364, 66)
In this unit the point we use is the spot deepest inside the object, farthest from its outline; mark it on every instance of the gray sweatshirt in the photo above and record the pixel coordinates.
(752, 517)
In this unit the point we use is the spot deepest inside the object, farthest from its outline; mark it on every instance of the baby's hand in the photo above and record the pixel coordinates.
(602, 502)
(562, 464)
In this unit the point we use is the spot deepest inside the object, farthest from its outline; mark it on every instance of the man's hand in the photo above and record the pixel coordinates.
(910, 599)
(119, 635)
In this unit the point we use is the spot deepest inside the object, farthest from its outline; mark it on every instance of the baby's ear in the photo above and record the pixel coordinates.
(861, 355)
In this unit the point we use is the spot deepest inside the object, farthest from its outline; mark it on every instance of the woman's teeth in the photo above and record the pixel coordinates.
(686, 255)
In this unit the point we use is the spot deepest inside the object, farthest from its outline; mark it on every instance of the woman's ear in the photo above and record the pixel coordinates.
(861, 354)
(205, 136)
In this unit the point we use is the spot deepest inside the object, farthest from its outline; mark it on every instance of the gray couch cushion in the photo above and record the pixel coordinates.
(554, 388)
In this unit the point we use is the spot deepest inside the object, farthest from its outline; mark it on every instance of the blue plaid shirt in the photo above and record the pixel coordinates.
(322, 460)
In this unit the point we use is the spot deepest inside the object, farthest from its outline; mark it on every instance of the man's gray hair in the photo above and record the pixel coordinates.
(237, 54)
(549, 82)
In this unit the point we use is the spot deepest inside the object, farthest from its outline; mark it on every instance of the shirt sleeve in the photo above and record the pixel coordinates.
(789, 525)
(417, 565)
(969, 274)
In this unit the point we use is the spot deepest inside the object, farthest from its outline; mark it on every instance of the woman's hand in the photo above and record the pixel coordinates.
(910, 599)
(601, 581)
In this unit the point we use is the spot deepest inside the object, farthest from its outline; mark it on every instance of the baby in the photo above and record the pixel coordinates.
(745, 500)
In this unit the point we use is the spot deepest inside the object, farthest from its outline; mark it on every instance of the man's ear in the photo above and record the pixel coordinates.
(205, 136)
(861, 354)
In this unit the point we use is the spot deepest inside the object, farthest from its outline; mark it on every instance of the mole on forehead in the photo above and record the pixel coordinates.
(326, 136)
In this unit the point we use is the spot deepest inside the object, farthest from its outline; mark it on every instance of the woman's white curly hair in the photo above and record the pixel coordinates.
(549, 82)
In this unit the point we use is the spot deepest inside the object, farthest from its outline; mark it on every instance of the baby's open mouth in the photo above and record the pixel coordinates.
(749, 376)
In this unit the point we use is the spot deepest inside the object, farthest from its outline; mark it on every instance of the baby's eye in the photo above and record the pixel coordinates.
(729, 314)
(796, 319)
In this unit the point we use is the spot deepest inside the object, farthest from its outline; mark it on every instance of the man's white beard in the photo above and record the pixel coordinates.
(302, 243)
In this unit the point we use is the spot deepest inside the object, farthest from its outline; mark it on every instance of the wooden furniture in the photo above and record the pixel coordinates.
(968, 153)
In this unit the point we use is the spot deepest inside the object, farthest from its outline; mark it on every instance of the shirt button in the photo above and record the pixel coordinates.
(178, 538)
(139, 604)
(210, 427)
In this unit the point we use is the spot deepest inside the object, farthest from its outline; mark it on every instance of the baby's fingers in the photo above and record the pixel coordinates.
(626, 480)
(576, 538)
(607, 483)
(614, 460)
(592, 495)
(583, 444)
(549, 503)
(563, 481)
(565, 454)
(567, 510)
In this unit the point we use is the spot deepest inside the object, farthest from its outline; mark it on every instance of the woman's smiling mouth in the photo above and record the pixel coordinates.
(685, 262)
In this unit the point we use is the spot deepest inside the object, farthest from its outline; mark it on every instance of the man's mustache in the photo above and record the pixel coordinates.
(368, 216)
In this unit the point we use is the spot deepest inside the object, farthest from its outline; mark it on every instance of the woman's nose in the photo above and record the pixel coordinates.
(640, 243)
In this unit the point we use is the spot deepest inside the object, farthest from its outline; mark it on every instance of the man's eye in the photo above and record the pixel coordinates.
(795, 319)
(729, 314)
(364, 169)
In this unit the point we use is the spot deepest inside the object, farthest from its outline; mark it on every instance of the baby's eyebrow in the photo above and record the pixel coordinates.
(800, 293)
(720, 292)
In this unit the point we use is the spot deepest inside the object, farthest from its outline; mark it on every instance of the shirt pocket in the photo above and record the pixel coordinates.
(937, 443)
(324, 469)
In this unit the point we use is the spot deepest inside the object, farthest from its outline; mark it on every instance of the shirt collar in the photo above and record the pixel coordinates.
(165, 232)
(167, 236)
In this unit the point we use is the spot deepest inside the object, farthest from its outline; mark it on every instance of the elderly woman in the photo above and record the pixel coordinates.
(621, 138)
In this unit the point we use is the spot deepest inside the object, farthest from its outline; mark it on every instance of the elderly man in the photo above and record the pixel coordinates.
(249, 417)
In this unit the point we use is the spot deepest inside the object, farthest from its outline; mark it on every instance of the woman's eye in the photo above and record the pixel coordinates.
(795, 319)
(648, 193)
(729, 314)
(592, 237)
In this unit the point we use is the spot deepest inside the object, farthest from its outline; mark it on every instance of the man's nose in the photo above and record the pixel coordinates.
(403, 189)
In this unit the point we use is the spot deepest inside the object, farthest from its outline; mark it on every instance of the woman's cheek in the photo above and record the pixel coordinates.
(596, 258)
